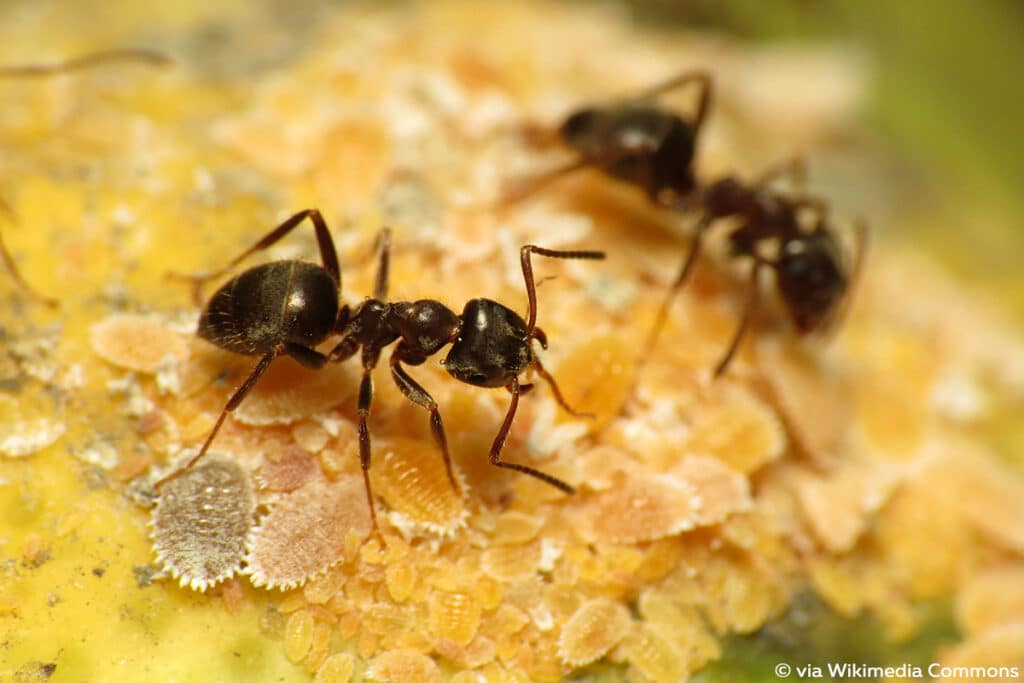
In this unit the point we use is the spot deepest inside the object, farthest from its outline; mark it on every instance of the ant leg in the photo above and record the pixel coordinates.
(305, 356)
(499, 443)
(748, 314)
(537, 135)
(524, 188)
(344, 350)
(328, 254)
(84, 62)
(380, 287)
(365, 399)
(531, 286)
(699, 77)
(546, 376)
(418, 395)
(860, 248)
(12, 268)
(233, 402)
(862, 237)
(795, 169)
(673, 290)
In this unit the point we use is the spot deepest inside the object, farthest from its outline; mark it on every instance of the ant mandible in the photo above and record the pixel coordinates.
(635, 141)
(813, 276)
(43, 70)
(290, 307)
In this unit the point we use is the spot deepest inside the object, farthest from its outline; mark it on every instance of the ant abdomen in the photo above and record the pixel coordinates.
(493, 346)
(270, 304)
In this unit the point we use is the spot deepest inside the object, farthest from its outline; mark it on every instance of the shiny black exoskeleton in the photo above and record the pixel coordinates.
(43, 70)
(812, 273)
(290, 307)
(290, 304)
(635, 141)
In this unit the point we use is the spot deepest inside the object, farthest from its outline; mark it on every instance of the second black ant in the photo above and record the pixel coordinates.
(652, 148)
(813, 275)
(634, 140)
(288, 308)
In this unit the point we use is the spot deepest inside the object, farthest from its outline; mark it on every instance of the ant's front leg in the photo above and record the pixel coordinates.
(684, 274)
(749, 309)
(418, 395)
(499, 443)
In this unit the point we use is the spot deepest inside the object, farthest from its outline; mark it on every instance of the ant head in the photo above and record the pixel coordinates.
(811, 278)
(492, 348)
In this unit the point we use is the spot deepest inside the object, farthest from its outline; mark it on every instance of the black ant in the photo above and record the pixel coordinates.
(654, 149)
(287, 308)
(43, 70)
(635, 141)
(811, 272)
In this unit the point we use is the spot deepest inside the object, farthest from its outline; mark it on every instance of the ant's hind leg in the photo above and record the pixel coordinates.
(233, 402)
(499, 443)
(753, 289)
(418, 395)
(328, 254)
(684, 274)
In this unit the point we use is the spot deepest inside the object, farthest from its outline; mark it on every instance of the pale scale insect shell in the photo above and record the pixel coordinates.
(594, 629)
(136, 342)
(481, 650)
(510, 562)
(656, 658)
(411, 478)
(722, 491)
(304, 533)
(737, 429)
(337, 668)
(455, 616)
(644, 508)
(202, 522)
(403, 666)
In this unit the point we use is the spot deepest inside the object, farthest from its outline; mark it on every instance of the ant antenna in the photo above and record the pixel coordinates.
(87, 61)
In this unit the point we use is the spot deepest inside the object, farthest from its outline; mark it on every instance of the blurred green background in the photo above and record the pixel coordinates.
(945, 114)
